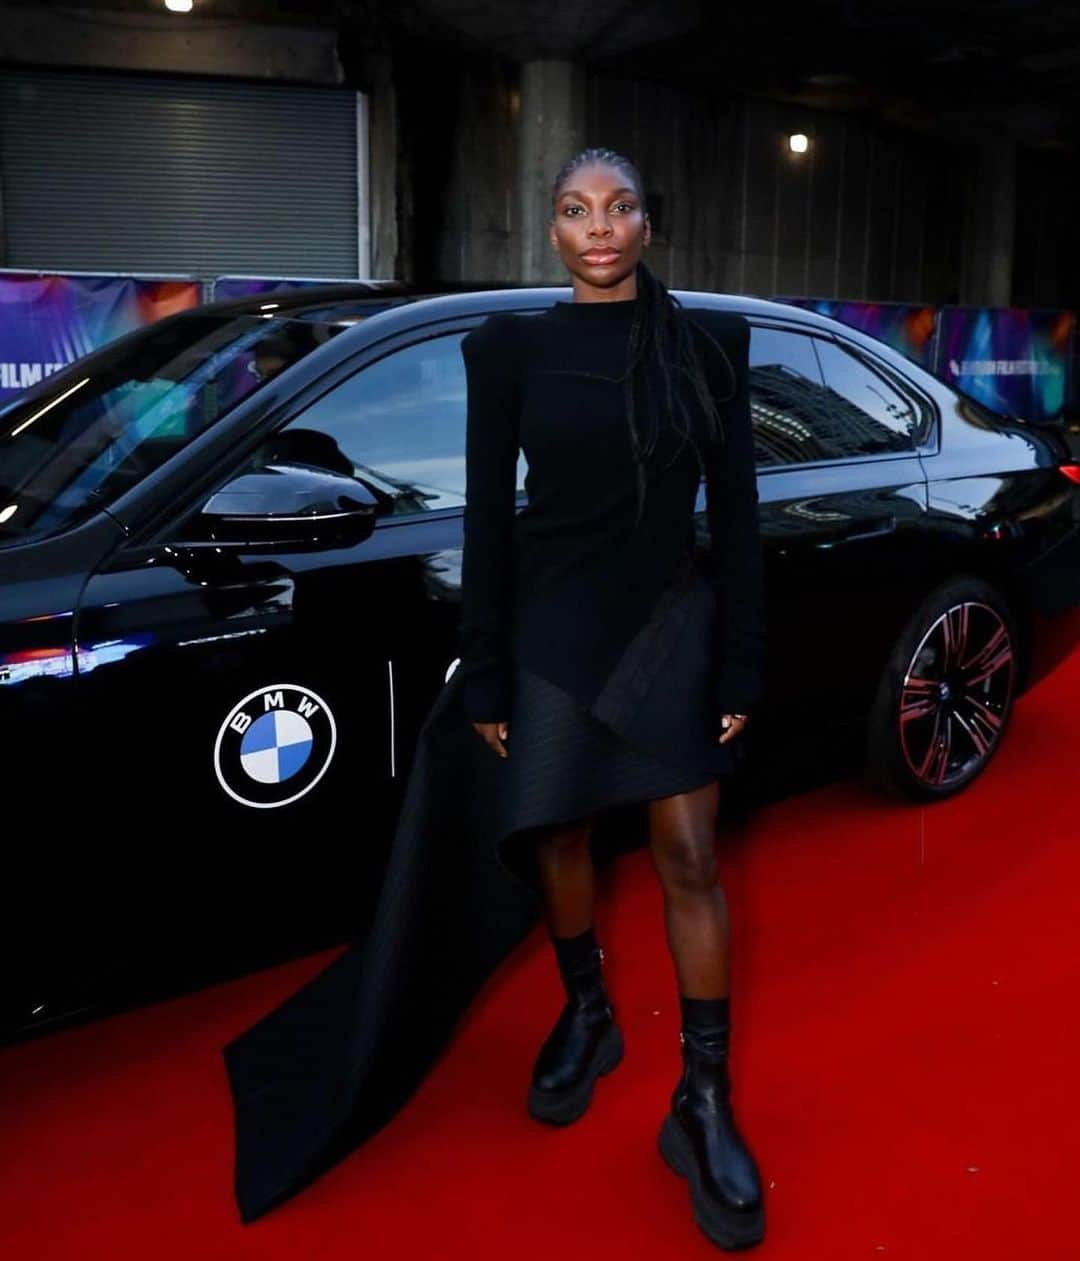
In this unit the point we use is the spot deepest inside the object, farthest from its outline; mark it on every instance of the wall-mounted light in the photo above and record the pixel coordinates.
(798, 143)
(179, 6)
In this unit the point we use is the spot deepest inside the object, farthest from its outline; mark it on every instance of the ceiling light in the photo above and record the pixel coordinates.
(798, 143)
(179, 6)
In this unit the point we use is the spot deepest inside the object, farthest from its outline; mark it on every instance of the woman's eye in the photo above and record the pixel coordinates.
(625, 205)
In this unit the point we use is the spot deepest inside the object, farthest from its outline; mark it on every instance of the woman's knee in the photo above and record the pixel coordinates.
(686, 864)
(564, 837)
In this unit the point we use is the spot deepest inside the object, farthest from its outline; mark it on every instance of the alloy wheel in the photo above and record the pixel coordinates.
(955, 694)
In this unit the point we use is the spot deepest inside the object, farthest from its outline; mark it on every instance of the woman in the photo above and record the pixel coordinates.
(594, 661)
(599, 668)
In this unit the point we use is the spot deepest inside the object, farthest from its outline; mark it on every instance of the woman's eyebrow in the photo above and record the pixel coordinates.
(574, 192)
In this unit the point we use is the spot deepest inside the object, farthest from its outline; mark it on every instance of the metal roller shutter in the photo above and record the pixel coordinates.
(141, 173)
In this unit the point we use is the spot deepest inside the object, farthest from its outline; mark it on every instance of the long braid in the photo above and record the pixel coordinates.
(659, 335)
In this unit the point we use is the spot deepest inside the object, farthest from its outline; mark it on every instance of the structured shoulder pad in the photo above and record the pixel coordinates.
(494, 334)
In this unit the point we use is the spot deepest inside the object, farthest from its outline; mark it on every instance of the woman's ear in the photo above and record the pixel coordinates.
(647, 234)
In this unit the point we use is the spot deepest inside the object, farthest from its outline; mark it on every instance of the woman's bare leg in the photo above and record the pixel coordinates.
(699, 1138)
(585, 1042)
(682, 844)
(566, 871)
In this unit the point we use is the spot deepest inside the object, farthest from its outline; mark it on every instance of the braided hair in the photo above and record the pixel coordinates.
(659, 334)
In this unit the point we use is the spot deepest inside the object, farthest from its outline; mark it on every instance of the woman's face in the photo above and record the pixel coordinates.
(600, 229)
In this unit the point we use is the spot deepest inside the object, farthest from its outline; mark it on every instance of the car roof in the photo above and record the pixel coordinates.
(353, 302)
(515, 298)
(351, 298)
(296, 301)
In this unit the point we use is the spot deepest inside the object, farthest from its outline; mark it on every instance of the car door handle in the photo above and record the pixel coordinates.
(860, 530)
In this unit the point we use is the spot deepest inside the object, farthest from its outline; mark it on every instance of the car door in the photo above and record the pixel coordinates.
(269, 701)
(842, 506)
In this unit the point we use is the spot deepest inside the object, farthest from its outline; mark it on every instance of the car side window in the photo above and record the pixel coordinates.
(872, 416)
(810, 399)
(787, 397)
(398, 425)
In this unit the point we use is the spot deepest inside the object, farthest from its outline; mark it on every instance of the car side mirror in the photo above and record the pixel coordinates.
(289, 506)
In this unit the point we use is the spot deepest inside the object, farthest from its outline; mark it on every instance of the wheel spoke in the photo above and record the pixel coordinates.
(935, 765)
(988, 719)
(979, 742)
(923, 769)
(941, 768)
(918, 699)
(954, 629)
(994, 655)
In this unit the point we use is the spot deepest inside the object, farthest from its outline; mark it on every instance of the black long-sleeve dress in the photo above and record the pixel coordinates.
(614, 653)
(611, 649)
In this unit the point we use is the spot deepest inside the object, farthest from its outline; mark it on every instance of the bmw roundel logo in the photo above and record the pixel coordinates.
(275, 745)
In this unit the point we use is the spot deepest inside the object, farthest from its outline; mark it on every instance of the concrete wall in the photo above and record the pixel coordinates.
(478, 235)
(459, 176)
(866, 213)
(1046, 265)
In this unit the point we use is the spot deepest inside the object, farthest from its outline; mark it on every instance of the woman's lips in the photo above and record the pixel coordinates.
(600, 257)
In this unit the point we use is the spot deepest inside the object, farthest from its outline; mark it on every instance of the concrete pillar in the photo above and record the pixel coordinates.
(993, 223)
(551, 128)
(383, 164)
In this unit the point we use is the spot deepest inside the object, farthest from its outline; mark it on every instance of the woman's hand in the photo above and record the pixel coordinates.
(732, 724)
(493, 733)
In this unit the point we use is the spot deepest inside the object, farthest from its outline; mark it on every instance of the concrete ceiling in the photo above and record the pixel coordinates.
(1013, 64)
(540, 28)
(1005, 64)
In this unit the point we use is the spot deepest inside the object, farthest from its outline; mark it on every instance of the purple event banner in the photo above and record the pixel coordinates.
(48, 321)
(1014, 360)
(903, 326)
(225, 287)
(1011, 359)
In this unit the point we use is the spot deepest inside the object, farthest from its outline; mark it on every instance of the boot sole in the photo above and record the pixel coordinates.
(562, 1107)
(725, 1227)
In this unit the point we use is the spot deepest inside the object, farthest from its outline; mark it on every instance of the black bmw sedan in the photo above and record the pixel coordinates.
(230, 554)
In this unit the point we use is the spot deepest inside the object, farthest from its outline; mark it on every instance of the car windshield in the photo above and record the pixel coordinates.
(74, 445)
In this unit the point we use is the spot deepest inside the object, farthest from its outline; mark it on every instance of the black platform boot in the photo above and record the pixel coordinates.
(699, 1138)
(585, 1041)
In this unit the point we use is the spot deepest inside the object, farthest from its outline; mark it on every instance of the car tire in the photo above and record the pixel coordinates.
(946, 694)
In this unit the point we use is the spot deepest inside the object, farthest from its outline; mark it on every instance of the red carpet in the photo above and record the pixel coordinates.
(904, 1052)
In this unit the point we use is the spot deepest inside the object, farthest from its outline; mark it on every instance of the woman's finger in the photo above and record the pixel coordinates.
(493, 734)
